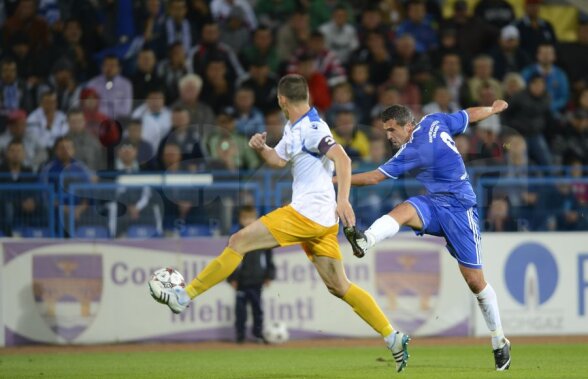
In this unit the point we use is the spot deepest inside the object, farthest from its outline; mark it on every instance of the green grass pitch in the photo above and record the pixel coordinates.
(529, 361)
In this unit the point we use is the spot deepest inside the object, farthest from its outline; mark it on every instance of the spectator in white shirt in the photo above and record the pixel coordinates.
(341, 37)
(221, 9)
(155, 118)
(47, 122)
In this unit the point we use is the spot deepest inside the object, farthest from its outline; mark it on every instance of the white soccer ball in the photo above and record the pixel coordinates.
(276, 332)
(169, 277)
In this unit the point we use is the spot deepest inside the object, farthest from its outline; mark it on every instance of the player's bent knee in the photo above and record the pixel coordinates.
(236, 242)
(338, 289)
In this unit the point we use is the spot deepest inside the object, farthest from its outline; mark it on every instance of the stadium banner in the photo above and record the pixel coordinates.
(85, 292)
(541, 280)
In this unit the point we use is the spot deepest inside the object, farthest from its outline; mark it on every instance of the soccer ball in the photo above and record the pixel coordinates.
(169, 277)
(276, 332)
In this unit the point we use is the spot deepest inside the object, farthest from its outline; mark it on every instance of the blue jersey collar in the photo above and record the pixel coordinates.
(311, 112)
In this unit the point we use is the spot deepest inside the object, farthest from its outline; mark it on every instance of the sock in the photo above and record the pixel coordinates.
(216, 271)
(489, 307)
(366, 307)
(382, 228)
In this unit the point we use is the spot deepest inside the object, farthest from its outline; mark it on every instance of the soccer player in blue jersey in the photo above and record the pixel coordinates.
(426, 149)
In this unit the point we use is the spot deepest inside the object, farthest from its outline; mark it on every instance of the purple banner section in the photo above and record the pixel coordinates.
(421, 261)
(67, 266)
(458, 330)
(12, 338)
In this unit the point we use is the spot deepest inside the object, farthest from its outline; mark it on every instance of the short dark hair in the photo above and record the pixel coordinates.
(61, 139)
(399, 113)
(15, 141)
(74, 110)
(293, 87)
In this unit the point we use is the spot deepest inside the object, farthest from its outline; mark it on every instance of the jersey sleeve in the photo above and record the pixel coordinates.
(456, 122)
(405, 160)
(318, 139)
(282, 148)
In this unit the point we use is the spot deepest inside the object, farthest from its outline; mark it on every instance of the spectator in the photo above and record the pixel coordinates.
(447, 45)
(274, 12)
(88, 148)
(556, 79)
(155, 118)
(363, 91)
(26, 22)
(18, 207)
(222, 10)
(371, 21)
(410, 94)
(154, 24)
(201, 115)
(451, 76)
(318, 87)
(529, 114)
(341, 36)
(35, 152)
(115, 91)
(64, 170)
(211, 49)
(347, 134)
(499, 218)
(64, 83)
(249, 119)
(386, 98)
(580, 189)
(498, 13)
(145, 153)
(377, 56)
(172, 70)
(32, 65)
(508, 56)
(293, 35)
(486, 144)
(256, 271)
(264, 84)
(186, 137)
(199, 12)
(46, 122)
(473, 34)
(463, 146)
(146, 77)
(418, 26)
(512, 84)
(72, 48)
(534, 30)
(342, 101)
(219, 89)
(177, 202)
(577, 131)
(228, 149)
(177, 27)
(566, 209)
(573, 57)
(234, 32)
(325, 61)
(14, 92)
(262, 49)
(136, 203)
(405, 52)
(274, 126)
(442, 102)
(483, 66)
(90, 104)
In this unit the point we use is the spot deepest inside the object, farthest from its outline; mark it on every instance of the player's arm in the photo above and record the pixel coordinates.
(269, 155)
(337, 154)
(476, 114)
(369, 178)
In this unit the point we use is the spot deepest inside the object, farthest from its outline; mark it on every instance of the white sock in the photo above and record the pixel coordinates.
(382, 228)
(393, 338)
(489, 307)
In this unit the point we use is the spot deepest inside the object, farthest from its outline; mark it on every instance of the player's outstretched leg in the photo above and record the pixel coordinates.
(333, 275)
(253, 237)
(488, 304)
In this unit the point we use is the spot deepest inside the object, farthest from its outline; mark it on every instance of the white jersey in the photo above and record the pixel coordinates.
(304, 143)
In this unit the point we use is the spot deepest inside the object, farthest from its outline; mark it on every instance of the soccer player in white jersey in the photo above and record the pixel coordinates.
(310, 220)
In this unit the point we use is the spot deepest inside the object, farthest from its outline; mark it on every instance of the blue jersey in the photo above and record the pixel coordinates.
(431, 155)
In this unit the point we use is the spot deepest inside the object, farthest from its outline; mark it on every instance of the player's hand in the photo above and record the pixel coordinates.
(346, 213)
(499, 105)
(257, 141)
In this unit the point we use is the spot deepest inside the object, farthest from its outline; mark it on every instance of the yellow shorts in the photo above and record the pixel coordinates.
(290, 227)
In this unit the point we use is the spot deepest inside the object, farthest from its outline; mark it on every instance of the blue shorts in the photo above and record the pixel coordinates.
(445, 216)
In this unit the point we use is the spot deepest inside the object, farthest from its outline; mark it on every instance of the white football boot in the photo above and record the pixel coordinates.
(175, 298)
(398, 345)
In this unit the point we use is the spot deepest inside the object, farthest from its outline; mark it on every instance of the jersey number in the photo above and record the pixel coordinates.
(451, 144)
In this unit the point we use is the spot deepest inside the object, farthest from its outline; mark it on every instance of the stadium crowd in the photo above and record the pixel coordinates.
(190, 81)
